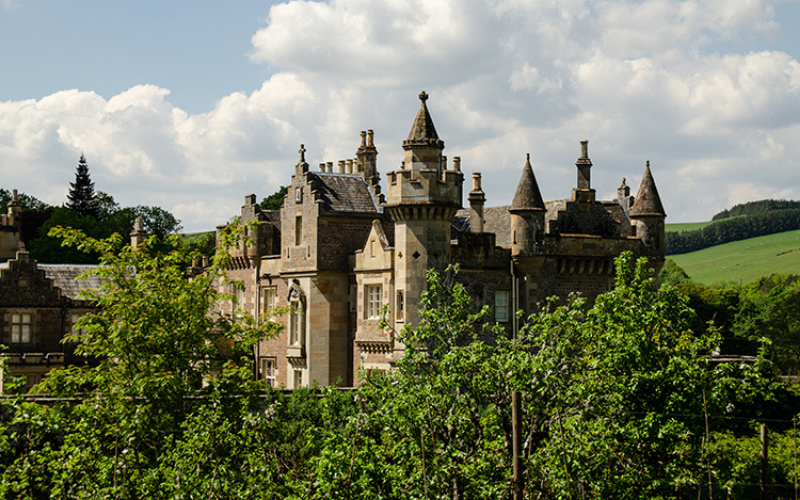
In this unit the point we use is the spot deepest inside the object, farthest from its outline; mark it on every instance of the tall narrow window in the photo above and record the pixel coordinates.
(372, 297)
(298, 379)
(20, 328)
(269, 301)
(501, 305)
(296, 324)
(400, 306)
(269, 370)
(298, 230)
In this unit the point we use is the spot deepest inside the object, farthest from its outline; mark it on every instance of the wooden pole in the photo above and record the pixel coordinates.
(516, 431)
(764, 460)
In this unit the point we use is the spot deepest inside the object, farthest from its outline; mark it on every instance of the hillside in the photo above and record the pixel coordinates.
(744, 261)
(678, 227)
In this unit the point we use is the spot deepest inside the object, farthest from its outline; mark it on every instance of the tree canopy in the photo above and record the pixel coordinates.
(621, 399)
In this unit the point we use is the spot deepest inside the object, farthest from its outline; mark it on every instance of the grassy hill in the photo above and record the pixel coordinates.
(743, 261)
(685, 226)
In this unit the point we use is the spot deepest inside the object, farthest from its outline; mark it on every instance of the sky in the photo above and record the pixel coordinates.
(192, 105)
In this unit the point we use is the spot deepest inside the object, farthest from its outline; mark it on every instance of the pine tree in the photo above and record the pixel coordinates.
(82, 199)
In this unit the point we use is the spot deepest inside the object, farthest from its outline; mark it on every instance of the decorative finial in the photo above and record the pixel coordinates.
(423, 96)
(623, 180)
(527, 157)
(648, 164)
(302, 152)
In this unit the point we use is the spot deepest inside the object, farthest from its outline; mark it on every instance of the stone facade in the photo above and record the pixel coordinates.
(339, 251)
(39, 305)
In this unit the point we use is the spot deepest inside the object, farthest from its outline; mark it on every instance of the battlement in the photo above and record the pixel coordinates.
(425, 186)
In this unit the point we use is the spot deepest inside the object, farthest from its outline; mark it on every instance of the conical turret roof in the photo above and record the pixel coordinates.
(528, 196)
(423, 132)
(648, 202)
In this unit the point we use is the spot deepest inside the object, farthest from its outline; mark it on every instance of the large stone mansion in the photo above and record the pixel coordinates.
(340, 249)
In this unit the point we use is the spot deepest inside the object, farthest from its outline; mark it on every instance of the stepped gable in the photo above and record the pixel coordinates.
(343, 193)
(528, 196)
(648, 202)
(422, 131)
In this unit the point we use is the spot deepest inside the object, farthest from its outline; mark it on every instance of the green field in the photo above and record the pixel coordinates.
(743, 261)
(685, 226)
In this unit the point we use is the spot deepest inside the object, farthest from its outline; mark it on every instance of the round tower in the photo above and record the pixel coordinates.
(648, 216)
(422, 199)
(527, 215)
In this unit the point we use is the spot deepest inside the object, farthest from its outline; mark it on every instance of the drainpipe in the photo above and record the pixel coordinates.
(514, 302)
(256, 309)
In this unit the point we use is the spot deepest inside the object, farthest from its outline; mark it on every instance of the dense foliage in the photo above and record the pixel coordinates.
(28, 202)
(620, 400)
(732, 229)
(757, 207)
(109, 218)
(770, 308)
(275, 200)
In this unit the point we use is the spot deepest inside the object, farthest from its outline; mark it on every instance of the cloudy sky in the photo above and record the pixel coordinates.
(191, 105)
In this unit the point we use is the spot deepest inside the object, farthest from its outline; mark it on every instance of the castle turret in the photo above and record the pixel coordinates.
(423, 197)
(648, 215)
(527, 214)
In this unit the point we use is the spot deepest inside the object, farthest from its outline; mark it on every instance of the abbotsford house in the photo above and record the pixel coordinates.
(340, 249)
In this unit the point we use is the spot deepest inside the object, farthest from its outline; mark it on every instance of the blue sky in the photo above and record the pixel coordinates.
(193, 105)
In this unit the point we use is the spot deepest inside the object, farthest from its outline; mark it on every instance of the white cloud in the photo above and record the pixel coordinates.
(506, 77)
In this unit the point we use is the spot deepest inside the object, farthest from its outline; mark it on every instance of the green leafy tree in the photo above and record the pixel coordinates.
(275, 200)
(47, 248)
(81, 194)
(29, 203)
(770, 307)
(163, 357)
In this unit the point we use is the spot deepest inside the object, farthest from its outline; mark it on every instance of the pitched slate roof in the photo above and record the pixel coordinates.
(648, 202)
(344, 193)
(65, 276)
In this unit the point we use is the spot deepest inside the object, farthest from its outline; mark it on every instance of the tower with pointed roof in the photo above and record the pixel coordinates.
(648, 215)
(422, 198)
(527, 215)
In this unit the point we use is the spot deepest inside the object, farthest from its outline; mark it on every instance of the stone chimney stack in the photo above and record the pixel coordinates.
(367, 158)
(138, 235)
(583, 193)
(477, 198)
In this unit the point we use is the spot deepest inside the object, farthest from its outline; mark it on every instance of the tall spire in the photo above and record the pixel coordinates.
(528, 196)
(648, 202)
(423, 133)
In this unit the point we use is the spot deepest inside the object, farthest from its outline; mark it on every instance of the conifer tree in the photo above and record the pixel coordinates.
(82, 199)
